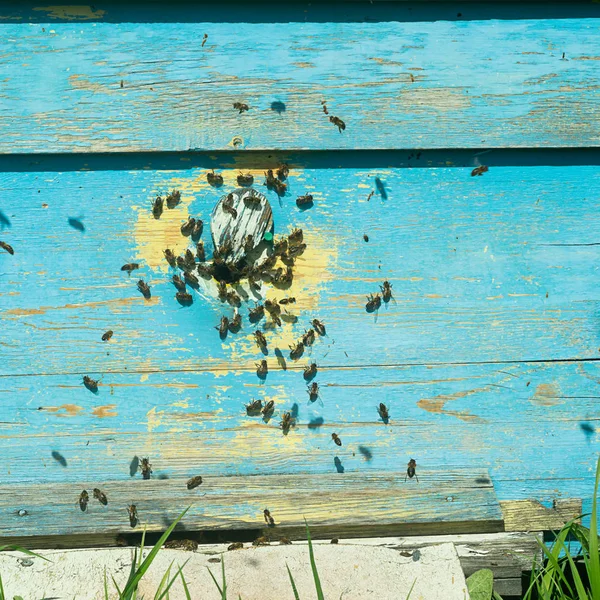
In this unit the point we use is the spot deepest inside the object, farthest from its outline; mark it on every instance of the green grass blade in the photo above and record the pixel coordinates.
(105, 585)
(213, 578)
(296, 596)
(117, 587)
(313, 566)
(184, 583)
(163, 581)
(132, 569)
(594, 566)
(179, 573)
(411, 589)
(1, 589)
(577, 578)
(142, 546)
(223, 574)
(24, 551)
(553, 573)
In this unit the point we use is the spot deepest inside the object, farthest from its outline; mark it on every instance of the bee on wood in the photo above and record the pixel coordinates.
(222, 291)
(306, 200)
(319, 326)
(334, 541)
(366, 237)
(262, 368)
(276, 321)
(214, 179)
(324, 107)
(370, 195)
(223, 251)
(270, 179)
(205, 269)
(90, 384)
(313, 391)
(189, 545)
(84, 498)
(145, 467)
(280, 247)
(204, 39)
(194, 482)
(256, 314)
(189, 259)
(383, 412)
(284, 541)
(338, 123)
(233, 299)
(241, 107)
(310, 371)
(286, 422)
(296, 350)
(249, 243)
(252, 200)
(336, 438)
(272, 307)
(157, 207)
(191, 279)
(261, 541)
(100, 496)
(268, 409)
(269, 262)
(411, 471)
(268, 518)
(296, 237)
(227, 206)
(184, 298)
(373, 302)
(106, 336)
(223, 327)
(197, 229)
(479, 171)
(188, 226)
(170, 257)
(173, 199)
(178, 283)
(236, 323)
(200, 253)
(144, 289)
(129, 267)
(7, 247)
(297, 250)
(283, 171)
(245, 179)
(236, 546)
(290, 300)
(260, 339)
(279, 187)
(254, 407)
(309, 337)
(386, 291)
(133, 515)
(287, 260)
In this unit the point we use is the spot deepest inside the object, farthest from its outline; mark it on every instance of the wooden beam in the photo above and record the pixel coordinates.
(530, 515)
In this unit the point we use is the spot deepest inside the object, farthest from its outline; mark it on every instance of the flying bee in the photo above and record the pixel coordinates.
(173, 199)
(236, 546)
(188, 226)
(295, 237)
(309, 337)
(386, 291)
(296, 250)
(283, 171)
(296, 350)
(305, 200)
(290, 300)
(157, 207)
(338, 123)
(200, 253)
(7, 247)
(479, 170)
(106, 336)
(145, 467)
(324, 107)
(370, 195)
(84, 498)
(233, 298)
(133, 515)
(227, 206)
(184, 298)
(245, 179)
(280, 247)
(262, 368)
(90, 384)
(214, 179)
(313, 391)
(383, 412)
(223, 327)
(222, 291)
(268, 409)
(336, 439)
(260, 339)
(310, 371)
(197, 229)
(252, 200)
(373, 302)
(191, 279)
(256, 314)
(272, 307)
(411, 471)
(144, 289)
(100, 496)
(286, 421)
(236, 323)
(249, 243)
(241, 107)
(268, 518)
(170, 257)
(254, 407)
(129, 267)
(205, 269)
(194, 482)
(319, 326)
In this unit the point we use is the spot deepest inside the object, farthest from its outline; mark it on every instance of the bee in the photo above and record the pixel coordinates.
(188, 226)
(373, 302)
(270, 180)
(268, 409)
(170, 257)
(100, 496)
(334, 541)
(411, 471)
(284, 541)
(295, 237)
(313, 391)
(296, 350)
(227, 206)
(305, 200)
(106, 336)
(7, 247)
(252, 200)
(130, 267)
(222, 291)
(184, 298)
(191, 279)
(245, 179)
(178, 283)
(310, 371)
(338, 123)
(261, 541)
(189, 545)
(336, 439)
(133, 515)
(173, 199)
(194, 482)
(383, 412)
(236, 323)
(223, 251)
(268, 518)
(479, 170)
(84, 498)
(319, 326)
(286, 421)
(200, 253)
(309, 337)
(262, 368)
(280, 247)
(145, 467)
(204, 269)
(214, 179)
(236, 546)
(241, 107)
(366, 237)
(287, 260)
(204, 39)
(256, 314)
(223, 327)
(283, 171)
(157, 207)
(260, 339)
(269, 262)
(233, 298)
(90, 384)
(324, 107)
(370, 195)
(254, 407)
(296, 250)
(144, 289)
(249, 243)
(276, 320)
(386, 291)
(189, 260)
(279, 187)
(272, 307)
(197, 229)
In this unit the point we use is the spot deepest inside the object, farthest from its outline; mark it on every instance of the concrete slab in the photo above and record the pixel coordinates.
(347, 571)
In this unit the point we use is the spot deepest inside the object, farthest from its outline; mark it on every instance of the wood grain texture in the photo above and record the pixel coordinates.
(529, 515)
(105, 87)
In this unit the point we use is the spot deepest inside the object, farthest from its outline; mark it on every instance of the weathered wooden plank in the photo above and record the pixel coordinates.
(530, 515)
(438, 84)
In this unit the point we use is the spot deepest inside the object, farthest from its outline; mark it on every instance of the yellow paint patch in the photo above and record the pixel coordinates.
(64, 410)
(79, 82)
(437, 404)
(74, 13)
(115, 304)
(105, 411)
(546, 394)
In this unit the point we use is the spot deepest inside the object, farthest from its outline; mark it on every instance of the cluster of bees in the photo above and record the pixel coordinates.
(374, 301)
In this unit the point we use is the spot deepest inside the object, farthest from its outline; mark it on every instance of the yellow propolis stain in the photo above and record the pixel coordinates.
(437, 405)
(64, 410)
(546, 394)
(105, 411)
(73, 13)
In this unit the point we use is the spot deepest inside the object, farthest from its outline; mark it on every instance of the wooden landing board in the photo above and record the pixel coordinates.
(396, 81)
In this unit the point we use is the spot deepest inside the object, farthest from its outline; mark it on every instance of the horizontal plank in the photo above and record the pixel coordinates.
(529, 515)
(437, 84)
